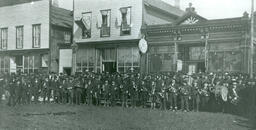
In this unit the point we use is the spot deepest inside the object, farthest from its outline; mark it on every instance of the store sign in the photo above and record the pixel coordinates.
(143, 46)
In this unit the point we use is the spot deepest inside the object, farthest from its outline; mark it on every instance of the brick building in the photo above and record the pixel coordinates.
(107, 33)
(28, 29)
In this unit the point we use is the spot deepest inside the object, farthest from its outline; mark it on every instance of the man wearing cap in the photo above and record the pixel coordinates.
(185, 93)
(172, 95)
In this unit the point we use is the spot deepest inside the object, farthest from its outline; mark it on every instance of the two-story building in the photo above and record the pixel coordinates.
(28, 29)
(107, 33)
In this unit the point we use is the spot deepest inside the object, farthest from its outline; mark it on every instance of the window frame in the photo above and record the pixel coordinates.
(105, 27)
(22, 36)
(67, 41)
(1, 38)
(83, 30)
(33, 39)
(121, 32)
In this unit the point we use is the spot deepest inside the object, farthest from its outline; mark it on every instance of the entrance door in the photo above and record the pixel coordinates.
(109, 60)
(109, 67)
(67, 70)
(191, 69)
(200, 67)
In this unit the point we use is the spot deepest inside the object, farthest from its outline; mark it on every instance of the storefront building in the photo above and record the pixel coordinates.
(195, 44)
(106, 35)
(27, 32)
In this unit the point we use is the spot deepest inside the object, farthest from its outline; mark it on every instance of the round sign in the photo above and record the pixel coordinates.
(143, 45)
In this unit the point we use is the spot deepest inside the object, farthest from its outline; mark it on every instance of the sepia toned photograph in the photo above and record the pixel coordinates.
(127, 65)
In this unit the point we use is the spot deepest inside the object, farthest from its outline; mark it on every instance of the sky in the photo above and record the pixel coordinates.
(210, 9)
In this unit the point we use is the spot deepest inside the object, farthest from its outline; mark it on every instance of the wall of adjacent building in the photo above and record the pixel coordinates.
(26, 15)
(95, 6)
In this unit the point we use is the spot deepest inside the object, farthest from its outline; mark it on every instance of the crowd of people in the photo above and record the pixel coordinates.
(173, 91)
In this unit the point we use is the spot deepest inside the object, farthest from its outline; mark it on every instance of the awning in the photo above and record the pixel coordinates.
(82, 24)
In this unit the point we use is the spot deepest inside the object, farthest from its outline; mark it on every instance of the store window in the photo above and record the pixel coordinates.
(29, 64)
(162, 58)
(225, 57)
(85, 60)
(4, 65)
(128, 59)
(197, 53)
(44, 60)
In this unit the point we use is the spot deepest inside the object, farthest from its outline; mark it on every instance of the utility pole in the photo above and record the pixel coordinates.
(252, 40)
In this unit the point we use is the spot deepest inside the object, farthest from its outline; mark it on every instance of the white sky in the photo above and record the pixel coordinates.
(210, 9)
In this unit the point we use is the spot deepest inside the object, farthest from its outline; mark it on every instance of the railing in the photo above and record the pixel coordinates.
(105, 31)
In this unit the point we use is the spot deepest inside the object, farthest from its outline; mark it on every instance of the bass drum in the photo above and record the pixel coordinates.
(224, 94)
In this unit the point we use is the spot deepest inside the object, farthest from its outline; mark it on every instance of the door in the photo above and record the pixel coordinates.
(109, 67)
(67, 70)
(191, 69)
(200, 67)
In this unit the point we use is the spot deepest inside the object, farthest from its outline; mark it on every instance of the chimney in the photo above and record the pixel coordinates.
(177, 4)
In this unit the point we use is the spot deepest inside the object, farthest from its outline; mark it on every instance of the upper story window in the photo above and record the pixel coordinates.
(67, 37)
(19, 37)
(125, 21)
(36, 35)
(4, 38)
(105, 23)
(87, 23)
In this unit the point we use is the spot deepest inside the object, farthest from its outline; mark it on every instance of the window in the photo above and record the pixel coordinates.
(44, 59)
(87, 23)
(105, 25)
(4, 64)
(19, 37)
(162, 58)
(128, 59)
(29, 64)
(4, 38)
(67, 37)
(36, 35)
(85, 60)
(126, 21)
(197, 53)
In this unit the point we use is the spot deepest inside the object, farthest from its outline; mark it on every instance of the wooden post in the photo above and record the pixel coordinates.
(252, 40)
(175, 55)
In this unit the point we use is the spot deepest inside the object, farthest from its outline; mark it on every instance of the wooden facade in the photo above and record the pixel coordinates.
(201, 45)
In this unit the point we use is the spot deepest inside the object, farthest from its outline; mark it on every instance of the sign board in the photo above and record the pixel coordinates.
(179, 65)
(143, 46)
(12, 65)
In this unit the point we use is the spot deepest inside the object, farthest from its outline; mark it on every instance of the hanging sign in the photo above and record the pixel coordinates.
(143, 46)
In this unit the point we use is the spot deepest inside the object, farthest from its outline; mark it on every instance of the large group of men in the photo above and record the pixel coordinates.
(167, 91)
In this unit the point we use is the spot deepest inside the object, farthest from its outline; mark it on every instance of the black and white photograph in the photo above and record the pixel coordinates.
(127, 65)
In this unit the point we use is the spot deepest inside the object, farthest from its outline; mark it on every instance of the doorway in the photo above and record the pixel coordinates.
(109, 67)
(67, 70)
(201, 67)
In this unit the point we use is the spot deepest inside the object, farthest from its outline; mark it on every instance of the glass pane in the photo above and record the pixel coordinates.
(121, 69)
(232, 61)
(31, 62)
(197, 53)
(216, 60)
